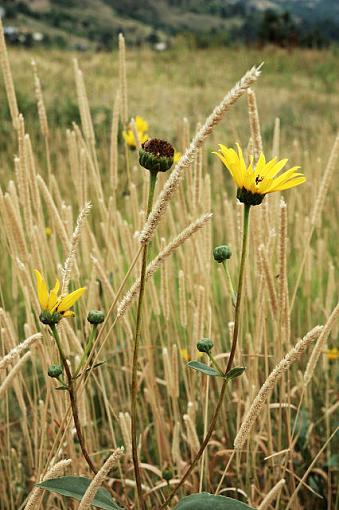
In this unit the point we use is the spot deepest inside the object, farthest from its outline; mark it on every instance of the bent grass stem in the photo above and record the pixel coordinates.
(229, 364)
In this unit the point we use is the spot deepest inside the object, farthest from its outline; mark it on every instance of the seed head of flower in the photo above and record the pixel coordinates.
(254, 181)
(156, 155)
(54, 307)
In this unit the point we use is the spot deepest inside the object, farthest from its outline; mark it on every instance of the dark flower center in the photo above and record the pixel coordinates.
(159, 148)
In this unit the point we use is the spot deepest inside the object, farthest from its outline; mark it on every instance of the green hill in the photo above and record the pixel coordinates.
(96, 22)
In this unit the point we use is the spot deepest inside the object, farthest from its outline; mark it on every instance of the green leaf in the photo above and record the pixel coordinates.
(75, 487)
(205, 369)
(205, 501)
(234, 372)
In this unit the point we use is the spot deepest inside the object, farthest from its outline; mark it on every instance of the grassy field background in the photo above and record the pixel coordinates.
(188, 298)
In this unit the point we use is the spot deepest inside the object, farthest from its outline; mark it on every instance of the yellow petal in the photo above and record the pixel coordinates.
(129, 138)
(42, 290)
(69, 300)
(290, 184)
(52, 300)
(141, 124)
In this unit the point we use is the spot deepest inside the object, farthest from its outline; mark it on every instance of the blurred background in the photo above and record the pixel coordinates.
(93, 24)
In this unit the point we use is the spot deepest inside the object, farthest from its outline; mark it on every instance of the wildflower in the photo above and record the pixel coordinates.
(333, 354)
(256, 180)
(156, 155)
(54, 307)
(176, 157)
(141, 127)
(48, 231)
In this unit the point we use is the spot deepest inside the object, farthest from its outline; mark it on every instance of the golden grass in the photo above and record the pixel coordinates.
(48, 176)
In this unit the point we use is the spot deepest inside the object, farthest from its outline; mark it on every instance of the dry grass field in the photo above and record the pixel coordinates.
(67, 149)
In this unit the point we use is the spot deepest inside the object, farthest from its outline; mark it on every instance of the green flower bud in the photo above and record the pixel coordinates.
(96, 317)
(222, 253)
(54, 370)
(156, 155)
(50, 318)
(249, 198)
(167, 475)
(205, 345)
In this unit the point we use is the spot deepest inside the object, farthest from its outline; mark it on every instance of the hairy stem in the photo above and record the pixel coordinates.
(72, 396)
(229, 364)
(134, 389)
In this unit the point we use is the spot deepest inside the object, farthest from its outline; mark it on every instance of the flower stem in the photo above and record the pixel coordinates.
(141, 503)
(229, 364)
(72, 396)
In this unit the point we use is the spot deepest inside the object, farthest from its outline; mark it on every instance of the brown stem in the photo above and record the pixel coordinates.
(72, 396)
(229, 364)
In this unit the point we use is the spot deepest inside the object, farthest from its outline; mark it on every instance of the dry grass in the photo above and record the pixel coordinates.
(56, 173)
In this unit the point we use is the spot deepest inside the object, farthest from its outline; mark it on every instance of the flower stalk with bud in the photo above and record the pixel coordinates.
(253, 183)
(156, 156)
(53, 309)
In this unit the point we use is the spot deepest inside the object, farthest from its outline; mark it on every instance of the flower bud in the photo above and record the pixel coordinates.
(222, 253)
(50, 318)
(54, 370)
(96, 317)
(156, 155)
(205, 345)
(167, 475)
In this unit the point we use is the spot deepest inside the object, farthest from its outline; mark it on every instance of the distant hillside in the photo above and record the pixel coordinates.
(95, 23)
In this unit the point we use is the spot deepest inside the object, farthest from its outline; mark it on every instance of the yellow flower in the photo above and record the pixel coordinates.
(255, 181)
(48, 231)
(333, 354)
(177, 156)
(141, 126)
(130, 138)
(54, 304)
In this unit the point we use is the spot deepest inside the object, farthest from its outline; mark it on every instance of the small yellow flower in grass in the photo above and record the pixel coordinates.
(48, 231)
(254, 181)
(141, 127)
(333, 354)
(141, 124)
(54, 307)
(176, 157)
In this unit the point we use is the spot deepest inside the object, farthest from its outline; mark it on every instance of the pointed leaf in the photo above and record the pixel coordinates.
(234, 372)
(205, 369)
(75, 487)
(205, 501)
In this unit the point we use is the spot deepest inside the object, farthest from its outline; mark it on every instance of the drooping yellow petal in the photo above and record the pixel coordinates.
(69, 300)
(42, 290)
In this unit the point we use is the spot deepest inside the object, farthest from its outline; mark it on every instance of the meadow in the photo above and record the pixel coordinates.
(67, 150)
